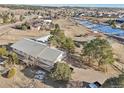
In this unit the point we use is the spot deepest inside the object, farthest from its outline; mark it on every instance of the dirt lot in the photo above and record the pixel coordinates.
(10, 35)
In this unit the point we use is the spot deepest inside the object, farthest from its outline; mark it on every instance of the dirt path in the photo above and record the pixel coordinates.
(70, 28)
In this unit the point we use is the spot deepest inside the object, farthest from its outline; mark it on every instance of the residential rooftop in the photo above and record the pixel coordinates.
(37, 49)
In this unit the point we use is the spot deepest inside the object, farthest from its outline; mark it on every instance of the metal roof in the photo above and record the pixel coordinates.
(29, 47)
(50, 54)
(37, 49)
(44, 38)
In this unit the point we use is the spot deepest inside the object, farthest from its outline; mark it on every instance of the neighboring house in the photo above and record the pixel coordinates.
(39, 24)
(37, 53)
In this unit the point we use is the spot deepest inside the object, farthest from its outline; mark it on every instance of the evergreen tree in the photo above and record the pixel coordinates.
(60, 72)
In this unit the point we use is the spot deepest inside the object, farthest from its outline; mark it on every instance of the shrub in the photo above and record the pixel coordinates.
(18, 27)
(23, 26)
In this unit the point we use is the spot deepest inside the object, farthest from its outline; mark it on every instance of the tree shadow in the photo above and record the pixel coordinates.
(66, 84)
(85, 84)
(77, 84)
(76, 62)
(55, 84)
(28, 72)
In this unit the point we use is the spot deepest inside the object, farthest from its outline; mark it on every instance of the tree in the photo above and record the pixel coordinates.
(53, 41)
(3, 52)
(13, 58)
(58, 36)
(23, 26)
(112, 23)
(11, 73)
(60, 72)
(98, 50)
(68, 45)
(56, 30)
(29, 13)
(122, 26)
(12, 18)
(61, 40)
(57, 26)
(6, 19)
(21, 18)
(113, 82)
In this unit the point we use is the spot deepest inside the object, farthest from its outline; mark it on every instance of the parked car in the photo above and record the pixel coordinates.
(94, 85)
(39, 75)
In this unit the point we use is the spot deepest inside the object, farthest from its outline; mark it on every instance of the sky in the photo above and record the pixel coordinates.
(61, 2)
(83, 3)
(87, 5)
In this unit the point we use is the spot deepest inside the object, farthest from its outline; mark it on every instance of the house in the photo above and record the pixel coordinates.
(37, 53)
(39, 24)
